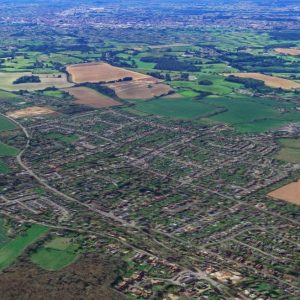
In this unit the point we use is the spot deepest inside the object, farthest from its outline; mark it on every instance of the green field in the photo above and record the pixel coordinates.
(54, 93)
(6, 124)
(6, 150)
(68, 139)
(4, 168)
(3, 233)
(184, 108)
(9, 97)
(251, 114)
(13, 248)
(56, 254)
(59, 243)
(290, 150)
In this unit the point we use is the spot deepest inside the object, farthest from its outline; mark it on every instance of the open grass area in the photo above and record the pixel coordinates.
(250, 114)
(6, 124)
(6, 150)
(68, 139)
(56, 254)
(59, 243)
(4, 168)
(9, 97)
(290, 151)
(3, 233)
(219, 85)
(54, 93)
(184, 108)
(13, 248)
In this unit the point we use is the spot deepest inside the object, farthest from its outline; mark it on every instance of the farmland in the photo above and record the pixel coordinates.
(287, 51)
(290, 150)
(89, 97)
(100, 72)
(47, 80)
(30, 112)
(140, 89)
(271, 81)
(289, 193)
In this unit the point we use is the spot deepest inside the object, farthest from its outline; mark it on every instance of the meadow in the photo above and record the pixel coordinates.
(290, 150)
(6, 150)
(183, 108)
(6, 124)
(13, 248)
(56, 254)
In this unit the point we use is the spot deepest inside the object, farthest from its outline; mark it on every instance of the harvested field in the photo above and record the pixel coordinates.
(89, 97)
(289, 193)
(287, 51)
(47, 80)
(140, 89)
(97, 72)
(272, 81)
(30, 112)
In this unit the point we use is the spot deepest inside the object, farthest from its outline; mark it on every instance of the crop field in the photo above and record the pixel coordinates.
(290, 150)
(32, 111)
(184, 108)
(90, 97)
(271, 81)
(288, 51)
(140, 89)
(100, 72)
(56, 254)
(13, 248)
(289, 193)
(58, 80)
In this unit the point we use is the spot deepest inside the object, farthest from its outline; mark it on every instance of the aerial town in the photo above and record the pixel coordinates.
(150, 154)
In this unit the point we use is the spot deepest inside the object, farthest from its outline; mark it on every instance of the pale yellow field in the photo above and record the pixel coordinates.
(289, 193)
(287, 51)
(272, 81)
(140, 89)
(30, 112)
(97, 72)
(89, 97)
(47, 80)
